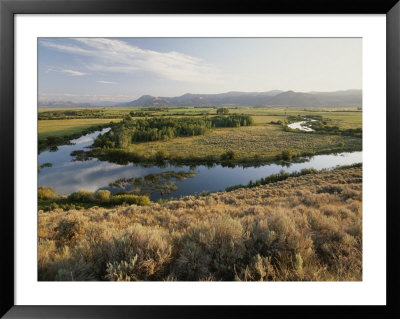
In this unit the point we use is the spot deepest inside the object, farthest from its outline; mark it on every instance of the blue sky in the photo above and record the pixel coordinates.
(123, 69)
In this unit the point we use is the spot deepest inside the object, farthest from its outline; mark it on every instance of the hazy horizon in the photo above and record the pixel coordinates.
(94, 70)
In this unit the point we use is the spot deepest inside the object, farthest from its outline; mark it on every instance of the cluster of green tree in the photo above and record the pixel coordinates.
(222, 110)
(75, 114)
(228, 156)
(48, 199)
(279, 122)
(160, 129)
(273, 178)
(143, 112)
(139, 114)
(235, 120)
(51, 142)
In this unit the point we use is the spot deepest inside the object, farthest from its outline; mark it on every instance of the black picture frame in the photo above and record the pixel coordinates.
(8, 8)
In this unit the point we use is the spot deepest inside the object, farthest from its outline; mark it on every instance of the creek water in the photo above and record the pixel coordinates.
(300, 126)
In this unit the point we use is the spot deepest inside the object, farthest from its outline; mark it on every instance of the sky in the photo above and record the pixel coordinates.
(123, 69)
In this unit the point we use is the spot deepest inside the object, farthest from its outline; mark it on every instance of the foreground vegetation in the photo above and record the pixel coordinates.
(301, 228)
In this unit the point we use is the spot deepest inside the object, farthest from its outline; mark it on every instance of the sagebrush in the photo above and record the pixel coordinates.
(306, 228)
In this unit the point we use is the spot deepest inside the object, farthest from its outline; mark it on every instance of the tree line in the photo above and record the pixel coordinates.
(161, 129)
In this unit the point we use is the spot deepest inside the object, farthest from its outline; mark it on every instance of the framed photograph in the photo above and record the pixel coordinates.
(166, 159)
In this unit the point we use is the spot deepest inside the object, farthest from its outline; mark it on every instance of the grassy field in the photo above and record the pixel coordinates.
(306, 228)
(48, 128)
(265, 141)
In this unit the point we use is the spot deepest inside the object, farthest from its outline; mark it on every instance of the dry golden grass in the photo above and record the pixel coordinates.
(304, 228)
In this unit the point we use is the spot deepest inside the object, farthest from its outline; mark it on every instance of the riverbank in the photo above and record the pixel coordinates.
(53, 133)
(303, 228)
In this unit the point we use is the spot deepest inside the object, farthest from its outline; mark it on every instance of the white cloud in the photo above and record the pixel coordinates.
(106, 82)
(67, 71)
(72, 72)
(110, 55)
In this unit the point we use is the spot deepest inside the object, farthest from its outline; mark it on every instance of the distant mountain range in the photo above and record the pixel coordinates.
(269, 98)
(54, 104)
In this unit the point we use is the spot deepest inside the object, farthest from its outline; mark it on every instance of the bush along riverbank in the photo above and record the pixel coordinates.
(48, 199)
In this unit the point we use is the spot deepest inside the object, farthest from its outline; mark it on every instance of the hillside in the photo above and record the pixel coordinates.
(304, 228)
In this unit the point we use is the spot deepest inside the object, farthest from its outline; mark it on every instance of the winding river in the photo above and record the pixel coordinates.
(67, 176)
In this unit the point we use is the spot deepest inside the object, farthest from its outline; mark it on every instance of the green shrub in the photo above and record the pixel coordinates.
(46, 193)
(228, 156)
(69, 229)
(82, 196)
(161, 155)
(53, 206)
(305, 171)
(222, 110)
(140, 200)
(102, 196)
(287, 155)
